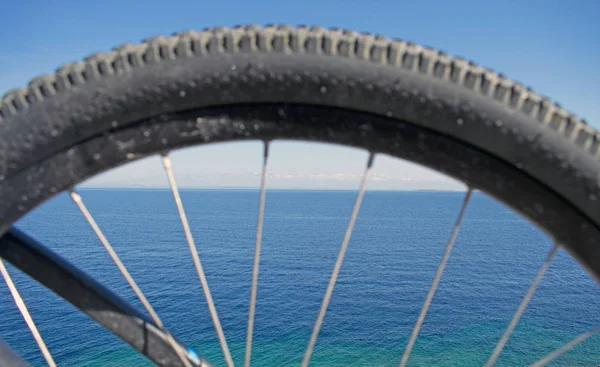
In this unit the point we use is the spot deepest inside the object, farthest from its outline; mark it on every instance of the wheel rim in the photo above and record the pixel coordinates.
(427, 147)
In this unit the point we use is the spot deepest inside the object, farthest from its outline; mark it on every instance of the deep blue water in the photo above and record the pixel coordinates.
(395, 248)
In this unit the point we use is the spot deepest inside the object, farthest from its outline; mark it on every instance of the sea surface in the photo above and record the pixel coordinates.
(393, 254)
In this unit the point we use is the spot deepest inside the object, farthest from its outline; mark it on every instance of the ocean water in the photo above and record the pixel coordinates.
(395, 248)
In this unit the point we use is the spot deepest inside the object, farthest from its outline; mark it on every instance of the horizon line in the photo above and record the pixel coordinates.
(242, 188)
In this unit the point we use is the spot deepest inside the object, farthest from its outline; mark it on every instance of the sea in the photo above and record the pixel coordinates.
(394, 251)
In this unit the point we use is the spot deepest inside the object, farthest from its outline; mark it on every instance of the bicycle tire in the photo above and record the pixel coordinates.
(549, 157)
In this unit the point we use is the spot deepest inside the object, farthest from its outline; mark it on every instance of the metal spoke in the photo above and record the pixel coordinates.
(517, 316)
(338, 263)
(565, 348)
(111, 251)
(21, 305)
(436, 279)
(194, 252)
(259, 227)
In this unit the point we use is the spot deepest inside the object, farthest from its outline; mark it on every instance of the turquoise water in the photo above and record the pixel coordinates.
(397, 243)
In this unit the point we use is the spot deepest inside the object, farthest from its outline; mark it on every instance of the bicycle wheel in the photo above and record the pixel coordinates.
(279, 82)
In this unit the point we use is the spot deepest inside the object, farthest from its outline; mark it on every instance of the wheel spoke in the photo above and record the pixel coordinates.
(517, 316)
(196, 258)
(115, 258)
(565, 348)
(338, 263)
(21, 305)
(436, 279)
(259, 227)
(113, 254)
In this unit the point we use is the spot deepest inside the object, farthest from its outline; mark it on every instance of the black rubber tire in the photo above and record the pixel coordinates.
(449, 114)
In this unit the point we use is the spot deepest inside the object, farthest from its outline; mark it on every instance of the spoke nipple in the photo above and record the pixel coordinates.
(166, 160)
(371, 159)
(75, 196)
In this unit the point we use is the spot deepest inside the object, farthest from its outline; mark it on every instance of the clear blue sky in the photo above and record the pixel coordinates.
(550, 45)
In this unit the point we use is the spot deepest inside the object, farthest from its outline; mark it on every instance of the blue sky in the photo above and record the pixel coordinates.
(549, 45)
